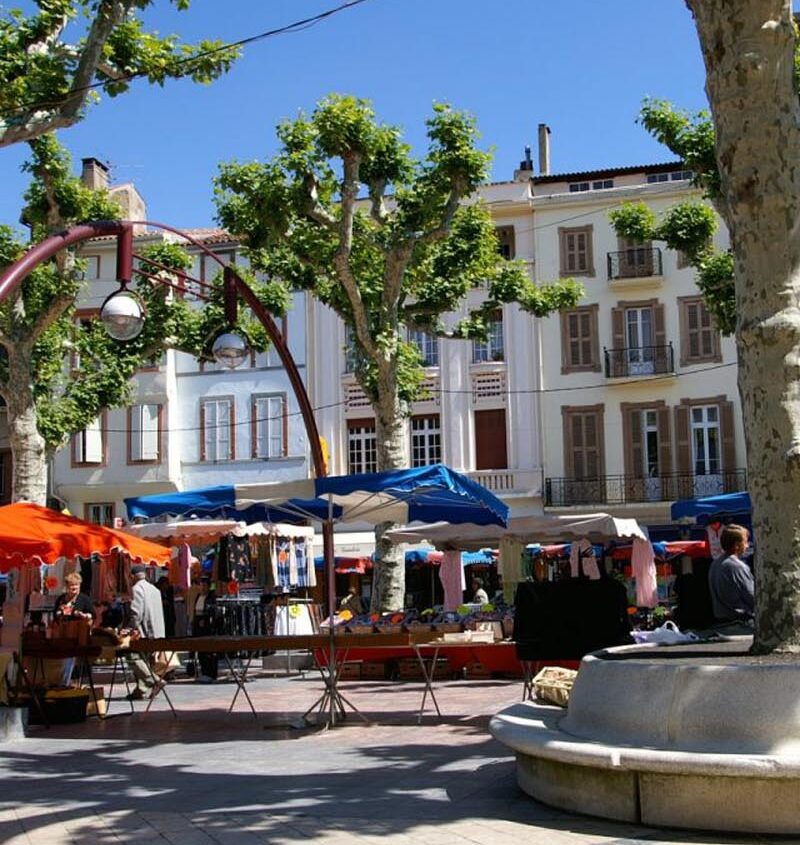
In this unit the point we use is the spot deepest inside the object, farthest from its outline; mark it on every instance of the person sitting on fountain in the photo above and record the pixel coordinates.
(731, 582)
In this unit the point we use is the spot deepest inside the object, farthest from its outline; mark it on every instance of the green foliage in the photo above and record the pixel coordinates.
(43, 83)
(688, 227)
(41, 313)
(715, 280)
(403, 254)
(690, 137)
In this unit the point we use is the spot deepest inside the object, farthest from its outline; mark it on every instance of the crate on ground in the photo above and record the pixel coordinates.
(476, 671)
(374, 671)
(62, 707)
(350, 671)
(408, 669)
(554, 684)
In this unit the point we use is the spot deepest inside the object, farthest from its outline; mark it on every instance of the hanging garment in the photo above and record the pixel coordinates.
(239, 566)
(713, 530)
(509, 565)
(180, 567)
(581, 558)
(451, 574)
(283, 547)
(266, 560)
(304, 564)
(644, 571)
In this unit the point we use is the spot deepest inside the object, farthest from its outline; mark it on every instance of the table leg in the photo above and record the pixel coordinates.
(23, 673)
(427, 674)
(87, 664)
(331, 697)
(240, 678)
(159, 686)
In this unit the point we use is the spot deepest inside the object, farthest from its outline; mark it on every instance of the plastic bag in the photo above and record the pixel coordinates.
(668, 634)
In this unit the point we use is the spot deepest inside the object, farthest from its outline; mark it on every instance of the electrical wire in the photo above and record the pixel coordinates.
(441, 392)
(296, 26)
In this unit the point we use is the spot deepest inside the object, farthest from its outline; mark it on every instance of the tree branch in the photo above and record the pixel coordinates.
(315, 210)
(47, 317)
(341, 258)
(377, 209)
(37, 122)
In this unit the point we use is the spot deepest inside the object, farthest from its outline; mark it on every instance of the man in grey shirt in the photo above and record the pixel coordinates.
(730, 579)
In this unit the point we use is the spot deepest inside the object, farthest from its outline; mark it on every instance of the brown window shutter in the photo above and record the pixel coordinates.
(660, 339)
(586, 339)
(202, 431)
(664, 442)
(728, 435)
(569, 464)
(684, 447)
(635, 444)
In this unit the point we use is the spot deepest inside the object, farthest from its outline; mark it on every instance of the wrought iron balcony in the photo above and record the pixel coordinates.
(632, 361)
(635, 263)
(627, 489)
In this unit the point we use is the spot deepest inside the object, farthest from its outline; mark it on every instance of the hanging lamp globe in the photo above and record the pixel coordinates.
(230, 350)
(122, 315)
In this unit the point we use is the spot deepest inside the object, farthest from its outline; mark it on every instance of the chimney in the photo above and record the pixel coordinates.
(525, 170)
(544, 149)
(94, 174)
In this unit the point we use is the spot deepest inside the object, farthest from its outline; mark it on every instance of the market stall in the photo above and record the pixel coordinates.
(400, 496)
(39, 548)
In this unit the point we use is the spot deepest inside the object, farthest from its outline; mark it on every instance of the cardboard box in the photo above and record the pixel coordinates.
(374, 671)
(350, 671)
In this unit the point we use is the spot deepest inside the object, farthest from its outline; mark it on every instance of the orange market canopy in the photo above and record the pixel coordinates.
(32, 534)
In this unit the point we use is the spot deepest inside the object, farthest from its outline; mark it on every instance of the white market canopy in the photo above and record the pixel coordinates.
(525, 529)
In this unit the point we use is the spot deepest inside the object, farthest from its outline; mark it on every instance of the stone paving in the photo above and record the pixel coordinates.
(211, 777)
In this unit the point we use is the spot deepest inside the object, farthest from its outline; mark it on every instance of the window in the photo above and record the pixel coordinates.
(672, 176)
(505, 241)
(217, 430)
(427, 344)
(92, 271)
(583, 441)
(699, 336)
(269, 430)
(100, 513)
(426, 441)
(579, 340)
(84, 320)
(144, 434)
(705, 440)
(635, 259)
(270, 358)
(362, 446)
(595, 185)
(492, 348)
(575, 247)
(350, 351)
(88, 446)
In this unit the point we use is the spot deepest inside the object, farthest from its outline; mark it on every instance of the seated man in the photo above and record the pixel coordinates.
(731, 581)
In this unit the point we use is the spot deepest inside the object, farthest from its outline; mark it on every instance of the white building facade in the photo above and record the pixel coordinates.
(640, 404)
(191, 424)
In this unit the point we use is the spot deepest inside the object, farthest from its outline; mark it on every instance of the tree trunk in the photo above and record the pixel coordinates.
(27, 445)
(391, 431)
(748, 47)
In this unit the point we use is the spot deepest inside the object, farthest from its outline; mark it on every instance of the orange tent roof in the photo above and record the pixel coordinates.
(32, 534)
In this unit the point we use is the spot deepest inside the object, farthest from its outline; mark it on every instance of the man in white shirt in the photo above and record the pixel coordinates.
(147, 618)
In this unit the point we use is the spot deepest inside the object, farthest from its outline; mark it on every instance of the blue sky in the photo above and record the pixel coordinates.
(583, 67)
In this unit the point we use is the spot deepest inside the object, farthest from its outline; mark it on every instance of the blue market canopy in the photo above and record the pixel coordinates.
(726, 504)
(426, 494)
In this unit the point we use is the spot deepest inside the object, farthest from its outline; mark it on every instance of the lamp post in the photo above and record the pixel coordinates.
(123, 316)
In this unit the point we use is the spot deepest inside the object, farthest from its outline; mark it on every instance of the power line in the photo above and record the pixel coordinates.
(441, 391)
(296, 26)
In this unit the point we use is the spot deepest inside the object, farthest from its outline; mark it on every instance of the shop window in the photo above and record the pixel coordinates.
(100, 513)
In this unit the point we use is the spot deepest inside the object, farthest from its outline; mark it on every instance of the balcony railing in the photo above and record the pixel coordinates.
(632, 361)
(627, 489)
(636, 263)
(500, 481)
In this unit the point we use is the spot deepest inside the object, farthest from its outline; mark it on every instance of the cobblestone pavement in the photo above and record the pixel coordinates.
(212, 777)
